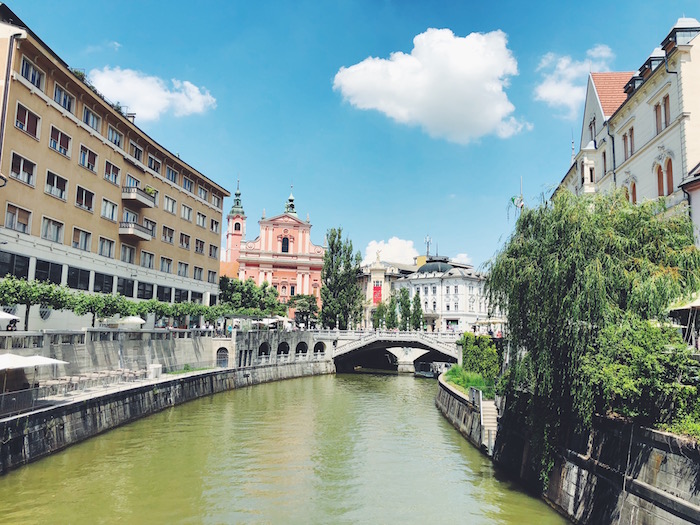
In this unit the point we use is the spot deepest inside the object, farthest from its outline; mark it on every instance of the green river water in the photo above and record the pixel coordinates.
(331, 449)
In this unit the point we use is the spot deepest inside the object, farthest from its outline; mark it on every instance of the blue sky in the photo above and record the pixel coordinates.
(392, 119)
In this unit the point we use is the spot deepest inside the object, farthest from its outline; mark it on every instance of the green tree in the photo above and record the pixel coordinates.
(416, 313)
(479, 355)
(30, 293)
(392, 319)
(247, 296)
(573, 267)
(379, 316)
(404, 309)
(99, 305)
(340, 294)
(305, 308)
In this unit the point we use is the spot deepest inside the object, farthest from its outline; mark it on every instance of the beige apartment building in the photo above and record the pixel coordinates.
(90, 201)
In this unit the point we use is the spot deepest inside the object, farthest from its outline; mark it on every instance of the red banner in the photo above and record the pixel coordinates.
(377, 294)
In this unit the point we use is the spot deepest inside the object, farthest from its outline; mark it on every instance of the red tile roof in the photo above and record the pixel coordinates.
(611, 89)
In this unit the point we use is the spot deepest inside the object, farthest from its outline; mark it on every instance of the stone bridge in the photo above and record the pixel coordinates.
(348, 348)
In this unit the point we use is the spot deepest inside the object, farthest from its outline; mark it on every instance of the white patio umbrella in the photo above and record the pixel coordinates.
(40, 360)
(4, 316)
(132, 319)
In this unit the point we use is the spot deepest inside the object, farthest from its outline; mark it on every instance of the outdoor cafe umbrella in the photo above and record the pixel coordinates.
(132, 319)
(4, 316)
(14, 361)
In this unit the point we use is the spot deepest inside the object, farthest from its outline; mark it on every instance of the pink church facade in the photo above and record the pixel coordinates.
(282, 255)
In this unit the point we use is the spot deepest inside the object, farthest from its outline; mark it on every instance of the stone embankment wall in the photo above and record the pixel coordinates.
(37, 434)
(460, 411)
(621, 474)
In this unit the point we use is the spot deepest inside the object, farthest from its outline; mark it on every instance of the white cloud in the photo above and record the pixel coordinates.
(564, 79)
(462, 258)
(115, 45)
(394, 250)
(452, 87)
(149, 96)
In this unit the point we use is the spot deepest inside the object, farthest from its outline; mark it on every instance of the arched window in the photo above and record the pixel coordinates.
(669, 177)
(660, 180)
(237, 227)
(285, 245)
(633, 192)
(582, 174)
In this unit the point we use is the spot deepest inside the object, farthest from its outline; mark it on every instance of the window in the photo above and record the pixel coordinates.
(211, 277)
(82, 239)
(130, 216)
(84, 198)
(184, 241)
(51, 230)
(63, 98)
(168, 234)
(166, 265)
(154, 163)
(91, 119)
(181, 296)
(59, 141)
(660, 180)
(183, 269)
(456, 307)
(631, 135)
(447, 307)
(291, 289)
(669, 177)
(197, 297)
(186, 213)
(198, 273)
(203, 193)
(625, 146)
(111, 173)
(128, 254)
(88, 158)
(132, 182)
(201, 220)
(285, 245)
(105, 247)
(48, 271)
(109, 210)
(164, 293)
(125, 287)
(22, 169)
(213, 251)
(591, 130)
(237, 227)
(17, 219)
(605, 164)
(145, 291)
(434, 289)
(216, 200)
(103, 283)
(169, 204)
(115, 137)
(667, 111)
(591, 174)
(456, 288)
(27, 121)
(17, 265)
(171, 174)
(434, 306)
(188, 184)
(150, 226)
(633, 192)
(147, 259)
(657, 116)
(135, 151)
(56, 185)
(198, 246)
(32, 73)
(215, 226)
(78, 278)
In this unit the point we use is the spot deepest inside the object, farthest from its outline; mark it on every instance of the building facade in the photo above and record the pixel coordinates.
(90, 200)
(377, 283)
(282, 255)
(641, 129)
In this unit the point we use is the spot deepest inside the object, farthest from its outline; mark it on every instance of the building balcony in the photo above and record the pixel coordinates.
(135, 231)
(138, 197)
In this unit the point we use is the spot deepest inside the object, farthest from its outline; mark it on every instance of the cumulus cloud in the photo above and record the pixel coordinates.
(394, 250)
(563, 84)
(452, 87)
(148, 96)
(462, 258)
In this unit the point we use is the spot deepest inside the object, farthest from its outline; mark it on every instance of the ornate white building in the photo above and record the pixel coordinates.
(641, 130)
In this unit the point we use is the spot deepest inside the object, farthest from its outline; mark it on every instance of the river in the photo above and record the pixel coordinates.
(330, 449)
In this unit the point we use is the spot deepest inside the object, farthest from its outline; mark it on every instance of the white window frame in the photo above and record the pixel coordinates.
(130, 216)
(187, 184)
(147, 259)
(216, 200)
(84, 158)
(186, 213)
(203, 193)
(56, 144)
(214, 248)
(166, 265)
(110, 175)
(92, 119)
(169, 204)
(171, 174)
(168, 234)
(198, 273)
(131, 181)
(59, 231)
(22, 126)
(129, 250)
(198, 242)
(183, 269)
(12, 220)
(30, 179)
(34, 73)
(109, 243)
(48, 188)
(85, 191)
(151, 225)
(61, 95)
(115, 137)
(188, 240)
(211, 277)
(215, 226)
(154, 164)
(135, 150)
(201, 220)
(85, 241)
(114, 207)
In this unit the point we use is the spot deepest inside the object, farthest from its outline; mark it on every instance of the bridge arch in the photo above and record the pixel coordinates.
(283, 348)
(264, 349)
(320, 348)
(301, 348)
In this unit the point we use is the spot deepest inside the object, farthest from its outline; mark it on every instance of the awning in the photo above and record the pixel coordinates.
(13, 361)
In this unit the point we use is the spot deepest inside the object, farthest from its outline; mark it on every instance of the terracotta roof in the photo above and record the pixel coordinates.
(611, 89)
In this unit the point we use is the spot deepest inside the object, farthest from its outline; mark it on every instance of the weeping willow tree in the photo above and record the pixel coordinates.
(573, 266)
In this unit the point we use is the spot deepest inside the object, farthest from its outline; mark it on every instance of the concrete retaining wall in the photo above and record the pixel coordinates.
(32, 436)
(459, 411)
